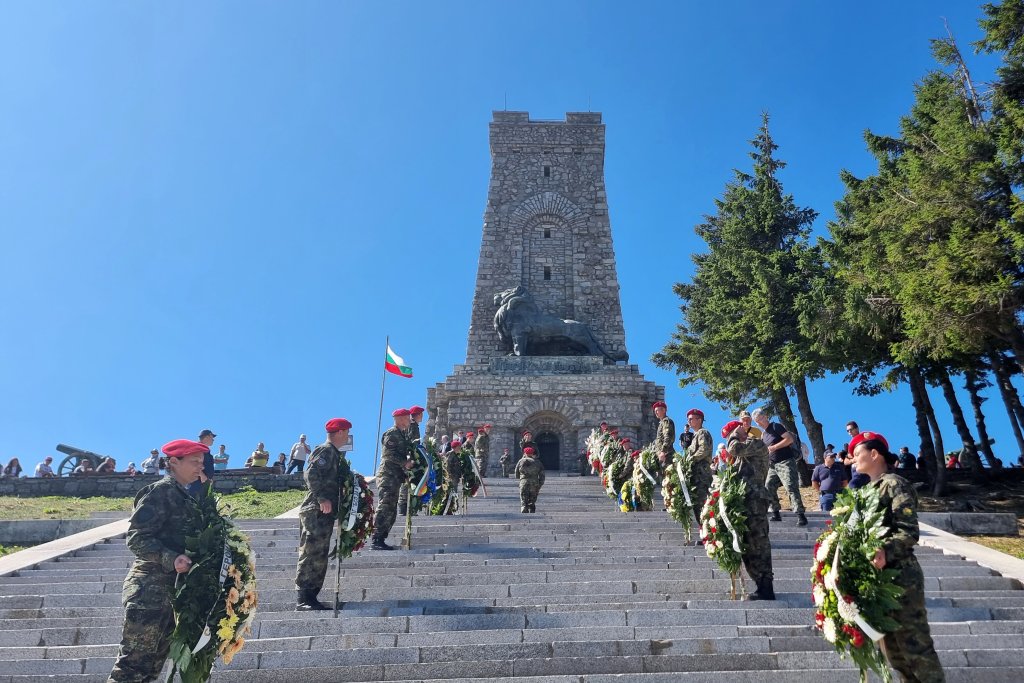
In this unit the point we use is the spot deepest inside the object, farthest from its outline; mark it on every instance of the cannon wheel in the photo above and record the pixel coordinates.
(68, 464)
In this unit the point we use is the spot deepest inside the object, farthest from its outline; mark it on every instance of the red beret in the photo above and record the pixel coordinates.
(635, 454)
(179, 448)
(456, 444)
(527, 432)
(624, 439)
(529, 450)
(487, 426)
(614, 430)
(416, 410)
(399, 412)
(695, 411)
(866, 436)
(337, 424)
(469, 434)
(604, 424)
(659, 404)
(729, 427)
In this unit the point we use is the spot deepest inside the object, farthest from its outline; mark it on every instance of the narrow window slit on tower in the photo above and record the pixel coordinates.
(547, 171)
(547, 272)
(547, 232)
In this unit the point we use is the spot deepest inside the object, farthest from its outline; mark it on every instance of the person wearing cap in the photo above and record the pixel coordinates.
(782, 467)
(156, 537)
(665, 439)
(327, 478)
(44, 470)
(527, 441)
(698, 453)
(752, 431)
(530, 473)
(828, 479)
(206, 438)
(415, 418)
(482, 452)
(452, 478)
(394, 461)
(750, 458)
(297, 457)
(909, 649)
(151, 465)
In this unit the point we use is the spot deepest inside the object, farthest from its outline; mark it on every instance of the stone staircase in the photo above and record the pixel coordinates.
(577, 592)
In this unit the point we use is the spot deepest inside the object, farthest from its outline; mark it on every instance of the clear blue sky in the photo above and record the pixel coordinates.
(213, 213)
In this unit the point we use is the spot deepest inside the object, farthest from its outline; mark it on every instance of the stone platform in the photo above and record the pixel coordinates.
(577, 593)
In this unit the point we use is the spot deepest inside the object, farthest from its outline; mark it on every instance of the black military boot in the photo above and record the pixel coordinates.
(801, 519)
(776, 516)
(533, 507)
(765, 591)
(308, 602)
(526, 508)
(379, 544)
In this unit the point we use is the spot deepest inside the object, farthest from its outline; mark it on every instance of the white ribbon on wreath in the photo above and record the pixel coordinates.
(848, 610)
(683, 484)
(728, 523)
(353, 503)
(644, 469)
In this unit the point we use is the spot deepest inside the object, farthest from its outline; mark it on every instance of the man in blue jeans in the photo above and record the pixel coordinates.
(828, 480)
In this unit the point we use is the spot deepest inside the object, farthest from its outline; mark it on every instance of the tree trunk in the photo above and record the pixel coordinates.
(813, 427)
(972, 382)
(1009, 395)
(935, 472)
(969, 453)
(940, 448)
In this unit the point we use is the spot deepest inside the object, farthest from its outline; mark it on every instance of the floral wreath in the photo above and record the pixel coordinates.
(215, 602)
(637, 493)
(854, 599)
(356, 522)
(677, 496)
(723, 521)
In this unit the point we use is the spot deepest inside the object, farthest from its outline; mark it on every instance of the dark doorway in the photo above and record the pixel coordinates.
(547, 444)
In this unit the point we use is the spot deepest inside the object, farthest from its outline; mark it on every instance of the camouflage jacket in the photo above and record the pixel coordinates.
(751, 458)
(524, 444)
(453, 466)
(483, 444)
(665, 440)
(414, 431)
(899, 500)
(396, 448)
(328, 476)
(156, 530)
(701, 447)
(530, 470)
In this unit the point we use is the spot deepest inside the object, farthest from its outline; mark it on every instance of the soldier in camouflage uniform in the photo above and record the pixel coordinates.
(750, 457)
(394, 461)
(452, 478)
(156, 536)
(415, 418)
(328, 477)
(698, 452)
(665, 439)
(483, 449)
(910, 649)
(530, 473)
(527, 442)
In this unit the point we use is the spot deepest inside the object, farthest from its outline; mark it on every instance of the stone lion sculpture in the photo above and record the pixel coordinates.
(522, 327)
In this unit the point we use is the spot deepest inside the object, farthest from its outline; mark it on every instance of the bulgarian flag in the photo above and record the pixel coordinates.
(395, 365)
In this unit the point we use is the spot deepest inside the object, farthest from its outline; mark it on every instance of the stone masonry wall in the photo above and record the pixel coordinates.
(120, 485)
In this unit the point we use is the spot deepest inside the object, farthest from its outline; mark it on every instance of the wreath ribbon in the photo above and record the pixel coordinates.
(225, 562)
(353, 503)
(728, 524)
(683, 484)
(644, 470)
(833, 574)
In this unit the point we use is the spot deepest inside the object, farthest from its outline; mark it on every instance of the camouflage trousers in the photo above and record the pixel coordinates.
(481, 464)
(787, 475)
(148, 623)
(403, 498)
(451, 503)
(315, 530)
(389, 481)
(528, 492)
(757, 555)
(910, 650)
(506, 468)
(700, 484)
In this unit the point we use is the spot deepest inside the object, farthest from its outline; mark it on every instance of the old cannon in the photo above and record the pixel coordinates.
(75, 458)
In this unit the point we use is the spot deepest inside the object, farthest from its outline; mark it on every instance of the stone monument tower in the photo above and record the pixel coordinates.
(547, 348)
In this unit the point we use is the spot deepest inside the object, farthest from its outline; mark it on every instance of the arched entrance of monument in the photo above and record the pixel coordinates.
(547, 444)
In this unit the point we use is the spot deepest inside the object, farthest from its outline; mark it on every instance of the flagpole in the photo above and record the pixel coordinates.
(380, 410)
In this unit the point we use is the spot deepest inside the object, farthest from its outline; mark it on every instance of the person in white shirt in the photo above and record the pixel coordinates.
(300, 450)
(43, 469)
(151, 465)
